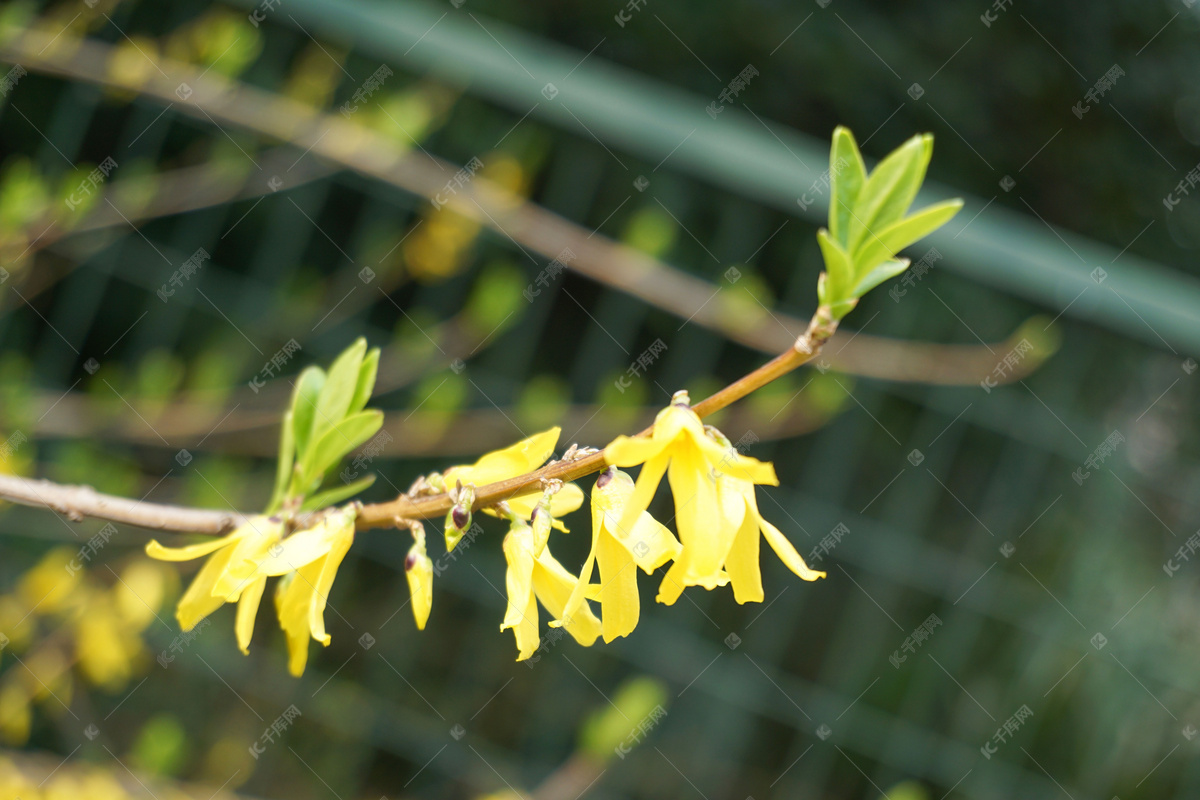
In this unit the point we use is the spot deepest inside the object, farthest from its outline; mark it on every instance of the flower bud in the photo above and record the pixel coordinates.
(419, 571)
(540, 523)
(458, 519)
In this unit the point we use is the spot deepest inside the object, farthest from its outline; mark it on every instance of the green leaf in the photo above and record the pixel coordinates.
(339, 389)
(846, 182)
(283, 469)
(838, 268)
(331, 497)
(328, 449)
(366, 381)
(881, 273)
(890, 190)
(304, 406)
(899, 235)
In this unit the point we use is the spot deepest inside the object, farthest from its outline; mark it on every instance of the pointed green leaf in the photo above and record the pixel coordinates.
(304, 406)
(889, 191)
(885, 271)
(366, 381)
(339, 388)
(331, 497)
(336, 442)
(899, 235)
(838, 268)
(847, 173)
(283, 469)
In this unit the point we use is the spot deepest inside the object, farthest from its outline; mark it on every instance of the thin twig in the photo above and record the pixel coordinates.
(78, 502)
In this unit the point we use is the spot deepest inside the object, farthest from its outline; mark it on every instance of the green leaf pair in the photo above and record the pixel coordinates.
(324, 423)
(867, 218)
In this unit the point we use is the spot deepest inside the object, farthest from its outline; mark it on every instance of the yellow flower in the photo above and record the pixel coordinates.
(418, 569)
(522, 457)
(619, 551)
(228, 576)
(739, 508)
(680, 447)
(105, 646)
(532, 577)
(309, 561)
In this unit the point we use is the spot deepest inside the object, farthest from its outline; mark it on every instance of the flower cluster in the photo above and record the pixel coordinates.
(239, 564)
(716, 514)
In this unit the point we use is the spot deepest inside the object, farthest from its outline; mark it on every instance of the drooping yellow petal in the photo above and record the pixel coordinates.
(742, 562)
(247, 610)
(329, 567)
(198, 601)
(291, 606)
(579, 591)
(524, 456)
(619, 604)
(526, 630)
(518, 579)
(553, 585)
(787, 553)
(697, 516)
(672, 583)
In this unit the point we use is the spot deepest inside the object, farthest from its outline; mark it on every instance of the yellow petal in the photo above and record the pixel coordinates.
(526, 631)
(518, 579)
(619, 604)
(742, 562)
(672, 583)
(198, 601)
(734, 464)
(643, 492)
(697, 516)
(302, 547)
(580, 590)
(247, 610)
(553, 585)
(293, 596)
(191, 551)
(247, 552)
(787, 553)
(629, 451)
(524, 456)
(324, 584)
(651, 543)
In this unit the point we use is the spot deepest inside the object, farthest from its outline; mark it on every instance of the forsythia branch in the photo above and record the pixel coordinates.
(79, 502)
